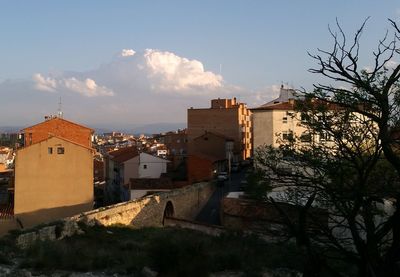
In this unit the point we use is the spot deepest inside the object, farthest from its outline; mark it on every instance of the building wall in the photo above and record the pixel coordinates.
(226, 117)
(270, 125)
(134, 168)
(60, 128)
(199, 169)
(131, 169)
(151, 167)
(50, 186)
(280, 126)
(262, 128)
(209, 144)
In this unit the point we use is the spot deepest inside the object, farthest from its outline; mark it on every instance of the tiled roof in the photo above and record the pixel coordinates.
(58, 119)
(58, 137)
(123, 154)
(292, 105)
(278, 106)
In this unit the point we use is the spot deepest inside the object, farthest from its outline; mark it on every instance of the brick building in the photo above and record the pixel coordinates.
(226, 117)
(53, 172)
(210, 155)
(56, 126)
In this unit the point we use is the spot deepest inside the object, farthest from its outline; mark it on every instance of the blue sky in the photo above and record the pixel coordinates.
(243, 48)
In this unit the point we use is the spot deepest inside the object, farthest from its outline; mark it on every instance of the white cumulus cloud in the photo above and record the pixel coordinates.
(127, 52)
(171, 72)
(87, 87)
(149, 86)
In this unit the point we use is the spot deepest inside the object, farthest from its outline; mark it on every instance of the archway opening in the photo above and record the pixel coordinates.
(168, 211)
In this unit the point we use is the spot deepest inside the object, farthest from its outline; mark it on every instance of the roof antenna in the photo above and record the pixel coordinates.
(59, 112)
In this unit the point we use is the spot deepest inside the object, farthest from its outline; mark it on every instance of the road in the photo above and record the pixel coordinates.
(210, 214)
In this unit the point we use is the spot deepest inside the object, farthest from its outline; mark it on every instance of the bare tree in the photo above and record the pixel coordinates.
(351, 173)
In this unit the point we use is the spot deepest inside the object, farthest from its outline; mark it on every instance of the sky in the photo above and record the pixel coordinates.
(126, 63)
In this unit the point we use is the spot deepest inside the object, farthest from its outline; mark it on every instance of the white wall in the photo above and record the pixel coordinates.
(135, 167)
(151, 167)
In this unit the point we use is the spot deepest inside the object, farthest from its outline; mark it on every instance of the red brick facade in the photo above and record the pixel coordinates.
(61, 128)
(199, 169)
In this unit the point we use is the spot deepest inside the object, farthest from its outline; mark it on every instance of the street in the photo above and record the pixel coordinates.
(210, 214)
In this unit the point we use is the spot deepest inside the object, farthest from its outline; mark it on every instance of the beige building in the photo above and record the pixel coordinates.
(226, 117)
(53, 179)
(276, 122)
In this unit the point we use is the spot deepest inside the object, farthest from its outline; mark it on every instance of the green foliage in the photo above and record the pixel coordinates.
(257, 185)
(169, 251)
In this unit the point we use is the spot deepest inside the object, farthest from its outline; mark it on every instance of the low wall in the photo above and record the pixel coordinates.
(148, 211)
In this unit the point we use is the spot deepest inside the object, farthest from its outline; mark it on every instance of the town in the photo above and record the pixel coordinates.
(200, 139)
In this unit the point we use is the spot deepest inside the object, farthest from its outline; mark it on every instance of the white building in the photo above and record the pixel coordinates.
(126, 163)
(145, 166)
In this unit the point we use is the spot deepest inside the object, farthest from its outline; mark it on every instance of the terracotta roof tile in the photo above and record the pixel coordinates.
(123, 154)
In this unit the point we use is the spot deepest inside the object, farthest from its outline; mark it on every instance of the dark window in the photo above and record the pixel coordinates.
(287, 135)
(50, 150)
(323, 136)
(60, 150)
(145, 166)
(305, 137)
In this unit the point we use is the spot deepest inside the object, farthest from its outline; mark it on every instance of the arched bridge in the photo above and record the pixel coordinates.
(184, 203)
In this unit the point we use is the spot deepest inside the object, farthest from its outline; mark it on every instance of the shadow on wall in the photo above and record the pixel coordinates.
(31, 219)
(149, 211)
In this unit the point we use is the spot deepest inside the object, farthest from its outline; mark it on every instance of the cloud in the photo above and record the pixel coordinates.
(127, 52)
(171, 72)
(44, 83)
(87, 88)
(146, 86)
(150, 71)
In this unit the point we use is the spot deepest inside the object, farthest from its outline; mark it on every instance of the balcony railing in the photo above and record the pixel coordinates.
(6, 211)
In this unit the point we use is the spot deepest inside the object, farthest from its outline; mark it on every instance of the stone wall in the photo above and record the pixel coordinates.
(144, 212)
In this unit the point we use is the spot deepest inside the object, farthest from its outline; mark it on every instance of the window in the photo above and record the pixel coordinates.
(50, 150)
(287, 135)
(145, 166)
(324, 136)
(60, 150)
(284, 119)
(305, 137)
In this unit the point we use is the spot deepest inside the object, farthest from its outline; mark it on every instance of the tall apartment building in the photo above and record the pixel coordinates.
(226, 117)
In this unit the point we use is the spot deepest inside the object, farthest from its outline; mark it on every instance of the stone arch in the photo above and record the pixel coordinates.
(169, 211)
